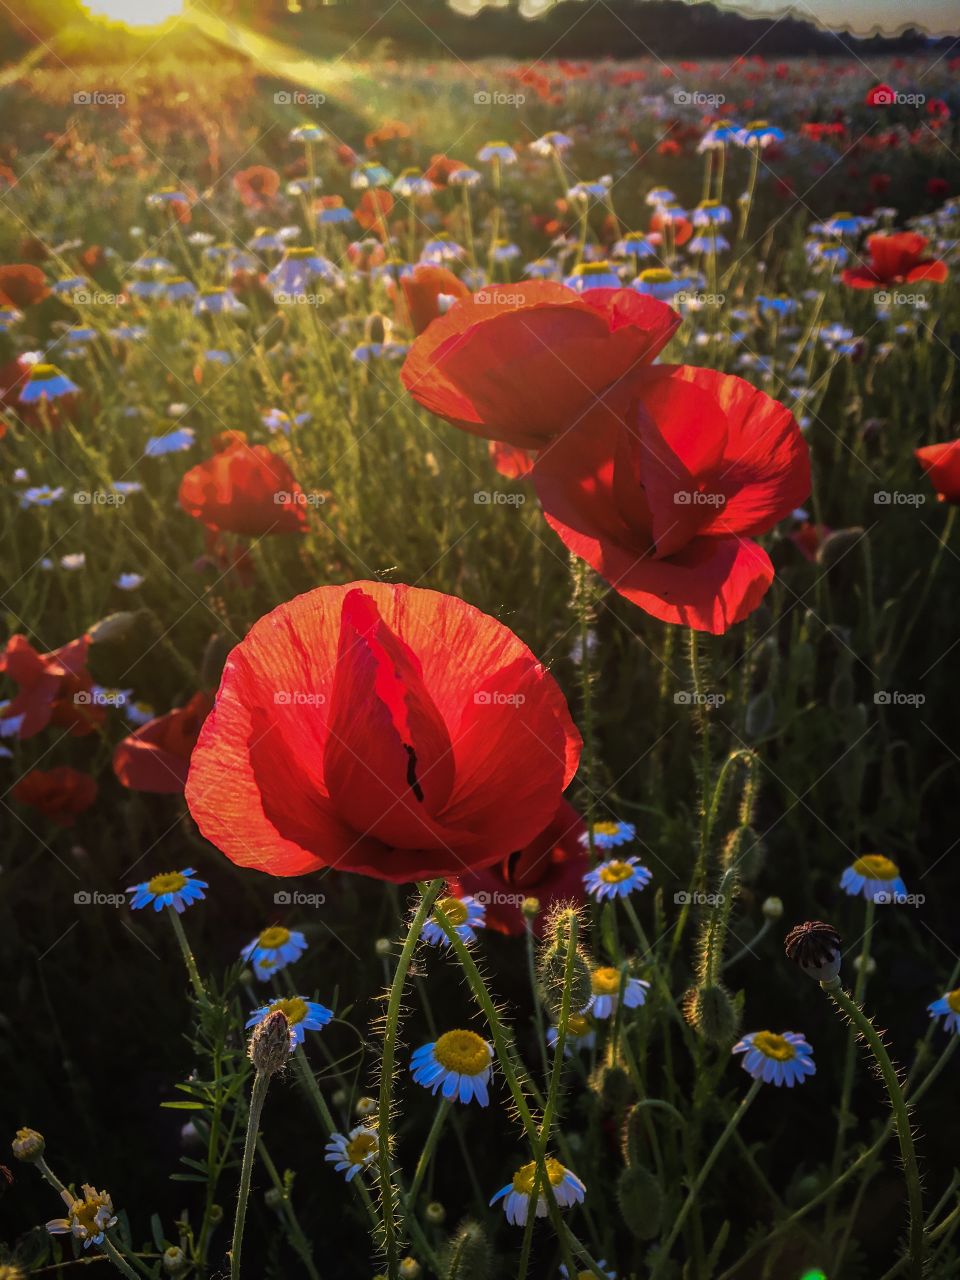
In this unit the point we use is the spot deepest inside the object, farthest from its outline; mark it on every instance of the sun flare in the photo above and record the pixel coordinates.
(135, 13)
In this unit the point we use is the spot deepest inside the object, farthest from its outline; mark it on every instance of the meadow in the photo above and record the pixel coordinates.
(610, 674)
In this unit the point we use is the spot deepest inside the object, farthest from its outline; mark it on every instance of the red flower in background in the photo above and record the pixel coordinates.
(895, 259)
(808, 538)
(244, 489)
(426, 289)
(157, 756)
(881, 95)
(380, 729)
(22, 285)
(519, 370)
(512, 463)
(60, 794)
(941, 462)
(440, 168)
(257, 185)
(663, 489)
(551, 869)
(54, 688)
(681, 229)
(372, 210)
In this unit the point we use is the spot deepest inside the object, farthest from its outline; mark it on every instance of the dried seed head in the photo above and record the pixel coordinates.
(270, 1043)
(815, 947)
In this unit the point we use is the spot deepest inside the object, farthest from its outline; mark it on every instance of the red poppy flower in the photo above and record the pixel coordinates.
(895, 259)
(381, 729)
(681, 229)
(663, 490)
(808, 538)
(257, 185)
(937, 188)
(518, 363)
(54, 688)
(423, 290)
(440, 168)
(941, 462)
(372, 209)
(512, 463)
(60, 794)
(22, 285)
(244, 489)
(156, 756)
(551, 869)
(881, 95)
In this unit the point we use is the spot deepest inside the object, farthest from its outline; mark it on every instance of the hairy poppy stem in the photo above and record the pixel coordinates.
(428, 895)
(258, 1096)
(847, 1005)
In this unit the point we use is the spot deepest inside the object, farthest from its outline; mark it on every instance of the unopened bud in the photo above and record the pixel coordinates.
(409, 1269)
(713, 1013)
(640, 1198)
(365, 1106)
(435, 1213)
(383, 947)
(468, 1256)
(174, 1261)
(530, 907)
(270, 1043)
(772, 908)
(871, 965)
(28, 1145)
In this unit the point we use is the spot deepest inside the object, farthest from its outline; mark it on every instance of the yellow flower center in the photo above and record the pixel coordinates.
(709, 204)
(654, 275)
(845, 214)
(523, 1179)
(606, 828)
(876, 867)
(295, 1008)
(774, 1046)
(454, 910)
(274, 937)
(462, 1051)
(757, 124)
(84, 1213)
(167, 882)
(953, 1000)
(361, 1148)
(577, 1025)
(615, 871)
(605, 981)
(44, 371)
(301, 252)
(592, 268)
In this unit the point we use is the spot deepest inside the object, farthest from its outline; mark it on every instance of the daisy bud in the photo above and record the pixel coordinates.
(365, 1106)
(28, 1145)
(435, 1213)
(216, 1214)
(640, 1198)
(383, 947)
(339, 1097)
(772, 908)
(270, 1043)
(714, 1014)
(468, 1256)
(409, 1269)
(815, 947)
(174, 1261)
(273, 1198)
(871, 965)
(530, 907)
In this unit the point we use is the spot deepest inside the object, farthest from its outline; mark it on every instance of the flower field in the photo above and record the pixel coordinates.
(478, 677)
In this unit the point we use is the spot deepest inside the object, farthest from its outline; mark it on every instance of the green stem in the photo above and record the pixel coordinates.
(901, 1117)
(111, 1251)
(850, 1059)
(428, 895)
(261, 1082)
(701, 1178)
(443, 1110)
(188, 958)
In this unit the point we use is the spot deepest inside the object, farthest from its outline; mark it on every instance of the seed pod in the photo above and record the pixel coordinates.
(468, 1255)
(641, 1201)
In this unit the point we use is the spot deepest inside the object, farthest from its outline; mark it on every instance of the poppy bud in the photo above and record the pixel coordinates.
(612, 1084)
(114, 627)
(468, 1256)
(553, 968)
(435, 1213)
(815, 947)
(28, 1145)
(640, 1198)
(836, 545)
(714, 1014)
(270, 1043)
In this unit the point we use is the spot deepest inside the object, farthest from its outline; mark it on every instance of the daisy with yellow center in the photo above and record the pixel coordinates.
(175, 889)
(352, 1151)
(605, 984)
(587, 1275)
(46, 382)
(303, 1015)
(567, 1190)
(616, 878)
(458, 1063)
(876, 878)
(273, 950)
(948, 1006)
(581, 1034)
(607, 835)
(88, 1219)
(776, 1059)
(466, 915)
